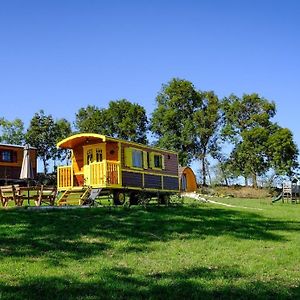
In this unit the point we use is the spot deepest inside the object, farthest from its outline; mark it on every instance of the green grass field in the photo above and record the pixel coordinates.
(194, 251)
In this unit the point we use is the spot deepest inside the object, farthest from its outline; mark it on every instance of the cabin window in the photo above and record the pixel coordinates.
(8, 156)
(156, 161)
(89, 156)
(137, 158)
(99, 155)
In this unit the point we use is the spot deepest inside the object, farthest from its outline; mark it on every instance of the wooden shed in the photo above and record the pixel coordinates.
(187, 179)
(11, 158)
(100, 161)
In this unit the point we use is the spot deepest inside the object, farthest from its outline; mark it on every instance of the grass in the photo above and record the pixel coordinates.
(194, 251)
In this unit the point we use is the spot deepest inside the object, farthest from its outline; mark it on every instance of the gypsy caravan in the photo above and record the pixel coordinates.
(108, 164)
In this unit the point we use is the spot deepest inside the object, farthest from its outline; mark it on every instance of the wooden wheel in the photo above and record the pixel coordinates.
(119, 198)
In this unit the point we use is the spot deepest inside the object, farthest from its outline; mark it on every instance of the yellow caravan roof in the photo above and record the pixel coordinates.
(81, 138)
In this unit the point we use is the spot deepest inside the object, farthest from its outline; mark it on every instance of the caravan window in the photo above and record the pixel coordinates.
(157, 161)
(137, 158)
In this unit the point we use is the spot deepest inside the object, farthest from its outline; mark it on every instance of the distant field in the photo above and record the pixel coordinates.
(192, 251)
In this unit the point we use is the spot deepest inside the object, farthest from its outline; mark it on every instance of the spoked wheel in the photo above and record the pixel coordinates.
(119, 198)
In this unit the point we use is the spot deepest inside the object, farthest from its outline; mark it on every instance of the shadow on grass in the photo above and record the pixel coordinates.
(123, 283)
(82, 233)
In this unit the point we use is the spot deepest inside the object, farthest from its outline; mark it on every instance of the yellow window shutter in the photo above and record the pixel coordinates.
(128, 157)
(145, 160)
(163, 162)
(151, 160)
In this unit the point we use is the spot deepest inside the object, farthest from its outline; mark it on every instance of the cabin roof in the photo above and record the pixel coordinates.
(15, 146)
(181, 170)
(90, 138)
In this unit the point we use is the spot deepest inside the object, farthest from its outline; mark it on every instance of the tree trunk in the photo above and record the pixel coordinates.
(254, 179)
(246, 181)
(224, 176)
(45, 165)
(208, 172)
(203, 171)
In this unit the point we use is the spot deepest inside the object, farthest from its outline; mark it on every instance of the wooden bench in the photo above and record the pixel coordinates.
(46, 195)
(10, 193)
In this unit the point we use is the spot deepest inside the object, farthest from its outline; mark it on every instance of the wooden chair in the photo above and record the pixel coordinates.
(10, 193)
(46, 195)
(27, 193)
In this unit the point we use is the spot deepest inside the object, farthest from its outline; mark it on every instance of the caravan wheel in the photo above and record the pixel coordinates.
(119, 197)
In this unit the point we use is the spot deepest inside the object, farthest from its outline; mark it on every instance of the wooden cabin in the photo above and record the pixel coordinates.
(187, 179)
(11, 158)
(104, 162)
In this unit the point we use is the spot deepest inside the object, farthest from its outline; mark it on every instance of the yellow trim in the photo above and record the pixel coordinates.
(131, 188)
(120, 164)
(149, 173)
(128, 157)
(152, 154)
(145, 160)
(107, 138)
(147, 189)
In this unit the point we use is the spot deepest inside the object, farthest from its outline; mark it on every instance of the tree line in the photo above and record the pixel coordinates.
(237, 132)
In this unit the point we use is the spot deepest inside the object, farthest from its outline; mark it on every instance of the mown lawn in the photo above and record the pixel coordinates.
(201, 251)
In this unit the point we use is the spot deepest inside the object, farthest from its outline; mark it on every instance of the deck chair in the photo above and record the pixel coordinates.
(8, 193)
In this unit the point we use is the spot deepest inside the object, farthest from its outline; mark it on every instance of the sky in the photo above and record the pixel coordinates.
(62, 55)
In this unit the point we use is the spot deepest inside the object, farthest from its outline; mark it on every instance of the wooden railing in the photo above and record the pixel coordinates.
(101, 174)
(105, 173)
(65, 177)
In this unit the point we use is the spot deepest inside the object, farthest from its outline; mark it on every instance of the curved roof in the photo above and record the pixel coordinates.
(74, 140)
(181, 170)
(91, 138)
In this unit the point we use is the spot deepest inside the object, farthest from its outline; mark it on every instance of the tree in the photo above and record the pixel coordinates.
(259, 144)
(206, 120)
(63, 130)
(12, 132)
(42, 134)
(122, 119)
(187, 120)
(92, 119)
(247, 112)
(127, 121)
(172, 120)
(282, 151)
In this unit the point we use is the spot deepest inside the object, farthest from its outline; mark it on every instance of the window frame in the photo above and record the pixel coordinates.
(152, 161)
(12, 156)
(140, 166)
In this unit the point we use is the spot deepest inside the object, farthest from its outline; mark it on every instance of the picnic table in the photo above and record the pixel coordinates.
(39, 194)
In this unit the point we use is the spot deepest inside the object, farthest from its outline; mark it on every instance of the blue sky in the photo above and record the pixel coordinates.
(63, 55)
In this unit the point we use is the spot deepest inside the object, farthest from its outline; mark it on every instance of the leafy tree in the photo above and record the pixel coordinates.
(187, 120)
(122, 119)
(92, 119)
(63, 130)
(282, 151)
(42, 134)
(249, 112)
(249, 156)
(127, 121)
(206, 120)
(12, 132)
(172, 120)
(259, 144)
